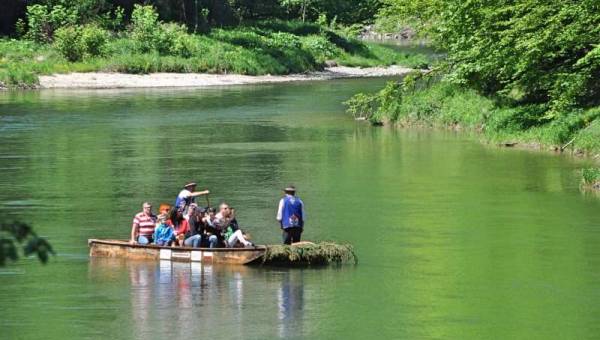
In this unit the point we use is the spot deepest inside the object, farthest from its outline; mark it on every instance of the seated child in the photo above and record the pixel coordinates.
(164, 234)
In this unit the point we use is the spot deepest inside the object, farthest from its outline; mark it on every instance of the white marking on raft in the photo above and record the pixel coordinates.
(207, 255)
(196, 256)
(180, 255)
(165, 254)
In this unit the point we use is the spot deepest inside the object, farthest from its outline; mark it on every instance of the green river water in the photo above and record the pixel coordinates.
(456, 240)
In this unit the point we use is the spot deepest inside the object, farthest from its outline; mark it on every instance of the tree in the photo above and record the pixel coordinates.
(18, 233)
(543, 54)
(302, 5)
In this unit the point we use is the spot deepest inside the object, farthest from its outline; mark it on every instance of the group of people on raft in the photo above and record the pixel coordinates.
(187, 224)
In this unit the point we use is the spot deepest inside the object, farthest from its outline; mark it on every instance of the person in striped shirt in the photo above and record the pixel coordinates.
(143, 225)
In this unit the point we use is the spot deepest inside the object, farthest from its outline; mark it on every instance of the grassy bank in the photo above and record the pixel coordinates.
(447, 105)
(265, 48)
(590, 179)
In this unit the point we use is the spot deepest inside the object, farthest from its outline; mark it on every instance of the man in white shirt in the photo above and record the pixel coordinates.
(187, 196)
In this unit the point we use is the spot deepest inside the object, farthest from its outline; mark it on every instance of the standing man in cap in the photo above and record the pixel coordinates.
(143, 225)
(188, 195)
(291, 216)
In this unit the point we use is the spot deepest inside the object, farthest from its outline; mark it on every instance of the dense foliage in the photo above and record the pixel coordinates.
(528, 51)
(17, 233)
(591, 177)
(197, 15)
(309, 254)
(536, 65)
(147, 44)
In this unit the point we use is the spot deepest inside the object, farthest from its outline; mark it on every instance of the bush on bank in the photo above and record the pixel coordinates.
(590, 178)
(441, 103)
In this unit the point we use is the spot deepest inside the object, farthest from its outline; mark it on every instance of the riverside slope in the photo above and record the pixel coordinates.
(96, 80)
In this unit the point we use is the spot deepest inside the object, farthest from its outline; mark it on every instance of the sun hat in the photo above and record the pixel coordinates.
(190, 184)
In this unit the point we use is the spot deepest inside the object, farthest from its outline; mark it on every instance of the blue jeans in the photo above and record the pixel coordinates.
(143, 240)
(213, 240)
(193, 241)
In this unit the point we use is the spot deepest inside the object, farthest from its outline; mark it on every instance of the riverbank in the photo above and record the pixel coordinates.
(448, 105)
(445, 105)
(288, 49)
(100, 80)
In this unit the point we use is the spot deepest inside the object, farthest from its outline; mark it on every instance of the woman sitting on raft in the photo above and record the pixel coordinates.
(226, 223)
(182, 225)
(195, 235)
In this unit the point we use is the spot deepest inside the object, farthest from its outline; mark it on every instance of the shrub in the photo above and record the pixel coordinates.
(184, 46)
(42, 21)
(18, 76)
(172, 39)
(38, 23)
(145, 26)
(94, 40)
(320, 47)
(351, 31)
(69, 43)
(150, 34)
(114, 20)
(75, 42)
(590, 176)
(283, 41)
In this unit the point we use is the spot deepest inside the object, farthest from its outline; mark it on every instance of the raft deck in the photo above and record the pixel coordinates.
(123, 249)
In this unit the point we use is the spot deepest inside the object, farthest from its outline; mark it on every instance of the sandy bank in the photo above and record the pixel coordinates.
(121, 80)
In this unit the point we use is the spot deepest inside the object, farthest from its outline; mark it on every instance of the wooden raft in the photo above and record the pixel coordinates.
(123, 249)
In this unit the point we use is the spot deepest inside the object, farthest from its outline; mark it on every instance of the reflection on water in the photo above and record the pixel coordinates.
(291, 302)
(176, 299)
(456, 240)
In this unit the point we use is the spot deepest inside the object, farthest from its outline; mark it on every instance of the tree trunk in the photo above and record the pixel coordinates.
(183, 12)
(196, 13)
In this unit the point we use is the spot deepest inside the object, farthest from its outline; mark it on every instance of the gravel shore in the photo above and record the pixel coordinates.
(121, 80)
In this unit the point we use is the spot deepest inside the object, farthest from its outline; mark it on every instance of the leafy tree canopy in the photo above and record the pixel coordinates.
(195, 13)
(533, 52)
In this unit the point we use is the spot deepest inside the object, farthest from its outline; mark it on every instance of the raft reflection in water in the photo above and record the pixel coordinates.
(180, 300)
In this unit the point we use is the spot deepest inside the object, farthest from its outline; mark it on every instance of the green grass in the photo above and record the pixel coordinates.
(590, 176)
(270, 47)
(381, 55)
(445, 104)
(309, 254)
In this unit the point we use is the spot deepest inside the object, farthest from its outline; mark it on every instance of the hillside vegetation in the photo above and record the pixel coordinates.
(62, 37)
